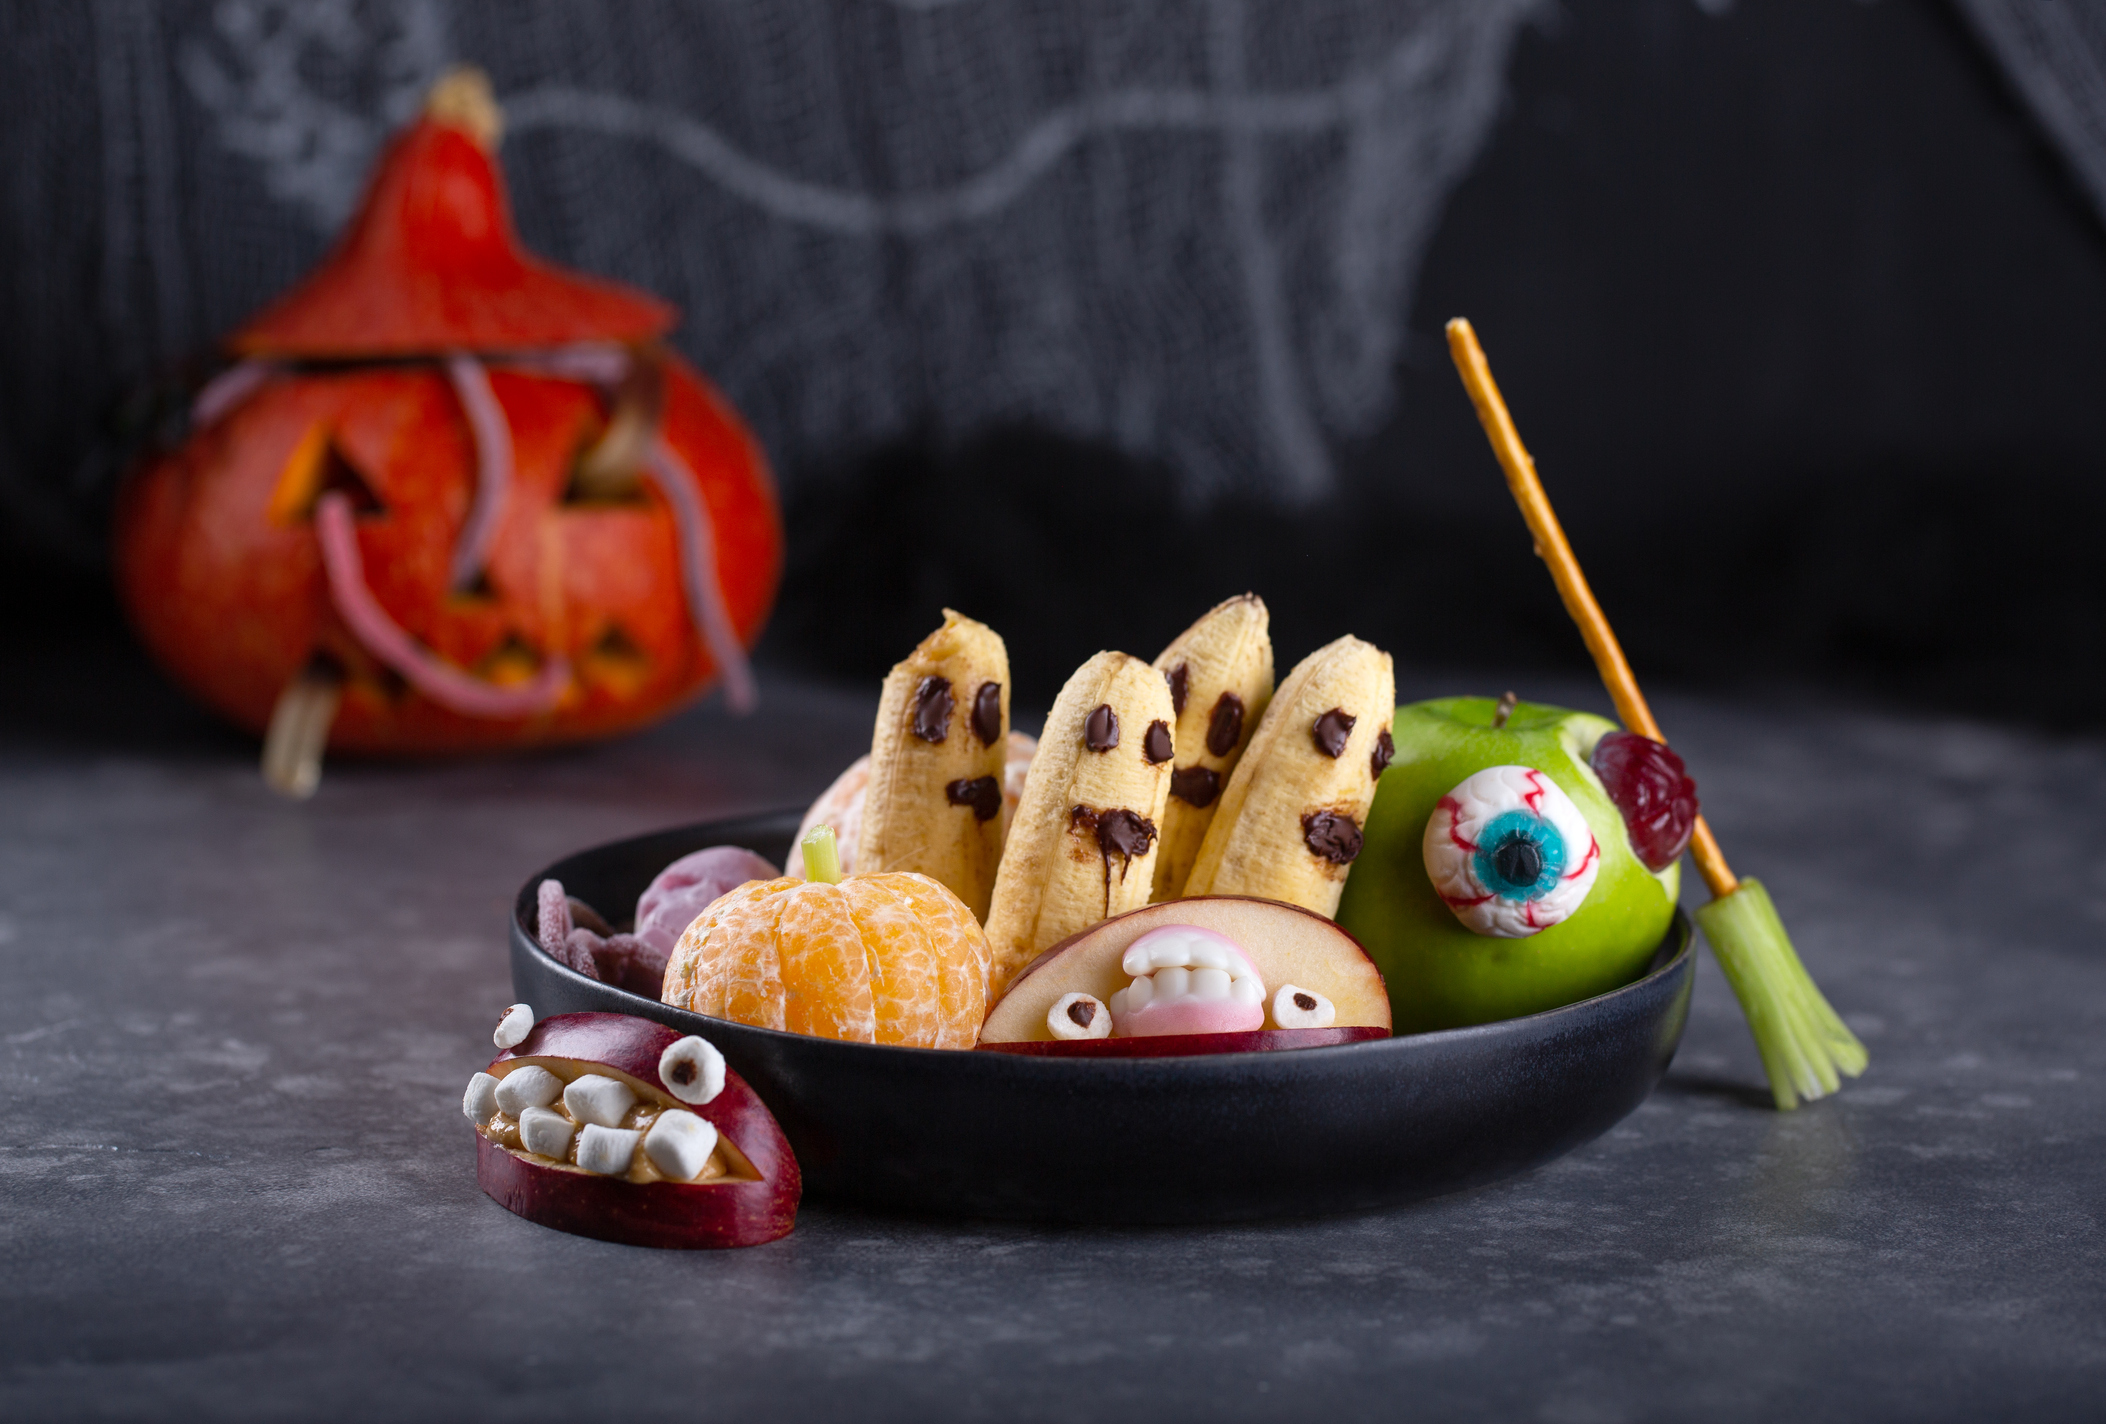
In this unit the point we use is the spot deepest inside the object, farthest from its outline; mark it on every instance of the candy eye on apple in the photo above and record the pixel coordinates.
(1509, 853)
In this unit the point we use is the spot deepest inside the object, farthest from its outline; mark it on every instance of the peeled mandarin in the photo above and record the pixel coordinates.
(888, 958)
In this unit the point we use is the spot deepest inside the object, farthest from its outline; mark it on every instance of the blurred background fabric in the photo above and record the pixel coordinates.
(1081, 316)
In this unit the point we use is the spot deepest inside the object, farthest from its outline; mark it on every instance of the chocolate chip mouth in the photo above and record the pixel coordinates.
(1331, 836)
(1195, 785)
(1123, 833)
(982, 793)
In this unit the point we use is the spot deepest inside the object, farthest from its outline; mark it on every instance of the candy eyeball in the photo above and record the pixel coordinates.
(1075, 1016)
(1509, 853)
(692, 1069)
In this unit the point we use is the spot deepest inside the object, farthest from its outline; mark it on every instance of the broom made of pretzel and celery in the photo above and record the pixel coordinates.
(1804, 1045)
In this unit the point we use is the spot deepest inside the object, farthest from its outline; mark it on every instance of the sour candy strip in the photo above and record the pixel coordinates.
(698, 566)
(385, 639)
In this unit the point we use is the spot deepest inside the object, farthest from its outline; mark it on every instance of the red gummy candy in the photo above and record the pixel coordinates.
(1649, 784)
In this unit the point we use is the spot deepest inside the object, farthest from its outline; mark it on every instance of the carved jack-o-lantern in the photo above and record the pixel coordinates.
(450, 497)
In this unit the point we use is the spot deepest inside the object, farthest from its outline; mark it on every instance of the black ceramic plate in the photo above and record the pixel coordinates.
(1223, 1138)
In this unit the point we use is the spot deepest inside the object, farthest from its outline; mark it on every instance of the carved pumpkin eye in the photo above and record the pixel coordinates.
(1509, 853)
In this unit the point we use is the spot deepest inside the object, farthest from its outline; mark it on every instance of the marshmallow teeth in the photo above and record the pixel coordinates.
(546, 1132)
(1295, 1007)
(692, 1070)
(1509, 853)
(607, 1150)
(933, 801)
(596, 1098)
(530, 1087)
(517, 1021)
(1187, 980)
(679, 1144)
(479, 1103)
(1079, 1016)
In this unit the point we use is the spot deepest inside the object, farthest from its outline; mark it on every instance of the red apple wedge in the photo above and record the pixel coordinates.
(1284, 944)
(747, 1195)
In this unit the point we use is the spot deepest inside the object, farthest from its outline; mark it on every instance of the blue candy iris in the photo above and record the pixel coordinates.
(1514, 845)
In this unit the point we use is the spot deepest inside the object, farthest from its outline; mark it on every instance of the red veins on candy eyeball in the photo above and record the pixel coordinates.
(1652, 789)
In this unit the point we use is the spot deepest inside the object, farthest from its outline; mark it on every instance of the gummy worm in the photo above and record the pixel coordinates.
(383, 637)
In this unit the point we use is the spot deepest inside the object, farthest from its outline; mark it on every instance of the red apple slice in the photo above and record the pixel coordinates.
(1190, 1045)
(754, 1200)
(1284, 943)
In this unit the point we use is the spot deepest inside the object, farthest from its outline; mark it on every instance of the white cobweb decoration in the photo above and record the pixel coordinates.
(1188, 230)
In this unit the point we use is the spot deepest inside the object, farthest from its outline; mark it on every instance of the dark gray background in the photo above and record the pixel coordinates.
(1798, 305)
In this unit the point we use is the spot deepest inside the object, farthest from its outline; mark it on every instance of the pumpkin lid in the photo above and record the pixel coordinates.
(431, 263)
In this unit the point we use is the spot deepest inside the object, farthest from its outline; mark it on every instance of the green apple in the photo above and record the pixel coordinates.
(1606, 912)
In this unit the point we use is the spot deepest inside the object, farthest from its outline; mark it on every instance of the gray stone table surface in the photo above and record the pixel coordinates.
(234, 1031)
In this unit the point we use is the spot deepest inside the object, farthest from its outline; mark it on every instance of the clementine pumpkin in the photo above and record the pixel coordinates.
(886, 958)
(452, 497)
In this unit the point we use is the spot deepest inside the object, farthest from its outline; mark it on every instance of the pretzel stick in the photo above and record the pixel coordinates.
(1555, 550)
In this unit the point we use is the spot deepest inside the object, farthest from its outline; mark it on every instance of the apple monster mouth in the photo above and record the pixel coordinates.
(1509, 853)
(1187, 980)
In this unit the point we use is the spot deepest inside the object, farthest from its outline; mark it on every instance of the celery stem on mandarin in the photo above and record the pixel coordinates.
(822, 856)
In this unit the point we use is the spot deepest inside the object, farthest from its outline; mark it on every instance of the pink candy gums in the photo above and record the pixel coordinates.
(685, 889)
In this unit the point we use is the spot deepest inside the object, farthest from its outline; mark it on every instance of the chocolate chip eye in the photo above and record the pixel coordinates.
(1180, 680)
(1156, 746)
(1332, 731)
(932, 709)
(1509, 853)
(987, 713)
(1100, 732)
(1225, 724)
(1083, 1012)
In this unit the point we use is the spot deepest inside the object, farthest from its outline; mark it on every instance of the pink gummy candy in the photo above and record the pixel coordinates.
(685, 889)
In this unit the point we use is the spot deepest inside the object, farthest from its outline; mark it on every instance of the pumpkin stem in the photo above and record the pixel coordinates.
(822, 856)
(462, 100)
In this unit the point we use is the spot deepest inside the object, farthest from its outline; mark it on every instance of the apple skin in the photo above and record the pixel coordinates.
(695, 1216)
(1439, 973)
(1191, 1045)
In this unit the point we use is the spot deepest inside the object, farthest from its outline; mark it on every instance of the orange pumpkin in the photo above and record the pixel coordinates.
(887, 958)
(452, 497)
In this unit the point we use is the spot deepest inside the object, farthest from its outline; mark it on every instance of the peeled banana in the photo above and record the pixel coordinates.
(933, 802)
(1082, 844)
(1290, 818)
(1219, 672)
